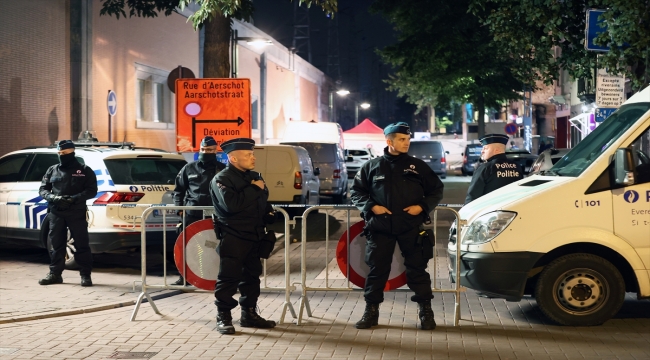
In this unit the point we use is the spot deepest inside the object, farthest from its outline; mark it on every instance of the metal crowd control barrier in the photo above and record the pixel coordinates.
(304, 301)
(144, 294)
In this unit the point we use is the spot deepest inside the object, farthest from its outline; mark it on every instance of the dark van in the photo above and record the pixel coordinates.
(471, 155)
(432, 153)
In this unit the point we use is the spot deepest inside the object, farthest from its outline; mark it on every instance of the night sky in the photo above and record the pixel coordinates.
(361, 70)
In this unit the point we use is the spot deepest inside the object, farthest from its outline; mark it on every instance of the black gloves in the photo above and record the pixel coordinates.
(269, 214)
(62, 202)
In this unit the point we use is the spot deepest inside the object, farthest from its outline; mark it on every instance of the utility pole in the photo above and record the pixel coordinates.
(333, 59)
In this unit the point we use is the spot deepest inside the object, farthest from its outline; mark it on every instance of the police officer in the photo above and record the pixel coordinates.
(239, 196)
(395, 194)
(193, 184)
(496, 171)
(66, 187)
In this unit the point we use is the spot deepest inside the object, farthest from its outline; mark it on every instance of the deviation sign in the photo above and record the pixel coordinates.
(220, 108)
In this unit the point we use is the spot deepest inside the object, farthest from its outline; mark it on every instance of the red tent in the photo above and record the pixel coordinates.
(366, 127)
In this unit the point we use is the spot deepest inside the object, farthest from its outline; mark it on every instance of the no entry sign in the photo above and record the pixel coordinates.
(358, 269)
(220, 108)
(202, 260)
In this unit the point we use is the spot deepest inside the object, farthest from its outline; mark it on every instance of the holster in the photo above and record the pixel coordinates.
(426, 240)
(217, 227)
(267, 244)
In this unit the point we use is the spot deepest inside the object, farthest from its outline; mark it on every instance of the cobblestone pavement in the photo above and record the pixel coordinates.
(185, 329)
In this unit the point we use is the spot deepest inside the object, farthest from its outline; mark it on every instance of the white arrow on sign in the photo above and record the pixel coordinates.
(111, 102)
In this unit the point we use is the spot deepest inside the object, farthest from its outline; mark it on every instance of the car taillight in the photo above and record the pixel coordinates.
(337, 174)
(443, 160)
(118, 197)
(297, 180)
(465, 159)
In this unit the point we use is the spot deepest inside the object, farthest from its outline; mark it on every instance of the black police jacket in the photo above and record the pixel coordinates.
(75, 180)
(395, 182)
(193, 184)
(240, 205)
(496, 172)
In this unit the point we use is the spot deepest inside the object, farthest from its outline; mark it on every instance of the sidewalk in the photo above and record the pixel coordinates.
(186, 328)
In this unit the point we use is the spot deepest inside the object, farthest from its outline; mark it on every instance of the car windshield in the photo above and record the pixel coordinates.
(320, 153)
(589, 149)
(146, 171)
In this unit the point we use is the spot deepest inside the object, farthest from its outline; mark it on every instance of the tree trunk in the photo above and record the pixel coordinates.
(480, 106)
(216, 49)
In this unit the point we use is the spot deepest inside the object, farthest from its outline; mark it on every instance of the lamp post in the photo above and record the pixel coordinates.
(234, 53)
(340, 92)
(364, 106)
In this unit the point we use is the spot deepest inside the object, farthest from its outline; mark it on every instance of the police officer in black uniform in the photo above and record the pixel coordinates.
(496, 171)
(66, 187)
(395, 194)
(239, 196)
(193, 185)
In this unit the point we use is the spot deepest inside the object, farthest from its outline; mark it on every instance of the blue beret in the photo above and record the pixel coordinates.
(208, 141)
(64, 144)
(399, 127)
(237, 144)
(494, 139)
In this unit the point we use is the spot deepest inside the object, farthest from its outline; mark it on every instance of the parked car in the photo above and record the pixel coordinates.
(126, 176)
(432, 153)
(546, 160)
(356, 159)
(333, 172)
(471, 155)
(289, 174)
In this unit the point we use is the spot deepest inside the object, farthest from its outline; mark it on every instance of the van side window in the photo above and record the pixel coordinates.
(641, 152)
(39, 166)
(11, 166)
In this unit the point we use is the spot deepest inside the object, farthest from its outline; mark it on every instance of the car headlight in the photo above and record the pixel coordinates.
(487, 227)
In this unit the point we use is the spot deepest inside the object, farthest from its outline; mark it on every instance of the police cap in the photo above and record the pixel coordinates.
(208, 141)
(237, 144)
(398, 127)
(64, 144)
(494, 139)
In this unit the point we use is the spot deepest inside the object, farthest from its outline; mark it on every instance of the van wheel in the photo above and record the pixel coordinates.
(341, 199)
(580, 290)
(70, 263)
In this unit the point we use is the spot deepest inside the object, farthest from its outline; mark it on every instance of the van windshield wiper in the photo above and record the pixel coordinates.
(550, 173)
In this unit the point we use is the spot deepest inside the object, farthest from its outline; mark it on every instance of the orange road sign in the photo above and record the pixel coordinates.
(220, 108)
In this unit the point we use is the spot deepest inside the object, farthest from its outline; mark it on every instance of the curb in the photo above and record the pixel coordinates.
(163, 294)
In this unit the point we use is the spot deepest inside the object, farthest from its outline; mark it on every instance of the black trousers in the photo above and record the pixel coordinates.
(240, 268)
(58, 235)
(379, 253)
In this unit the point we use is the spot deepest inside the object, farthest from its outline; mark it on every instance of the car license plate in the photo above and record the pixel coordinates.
(159, 213)
(426, 160)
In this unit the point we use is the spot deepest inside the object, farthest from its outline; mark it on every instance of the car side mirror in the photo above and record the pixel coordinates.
(349, 159)
(624, 167)
(316, 171)
(447, 152)
(462, 154)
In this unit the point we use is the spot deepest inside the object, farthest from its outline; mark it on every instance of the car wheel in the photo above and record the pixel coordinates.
(341, 198)
(462, 171)
(580, 290)
(70, 263)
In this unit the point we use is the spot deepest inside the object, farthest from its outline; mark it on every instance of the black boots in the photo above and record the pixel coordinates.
(425, 313)
(50, 279)
(249, 318)
(86, 280)
(370, 317)
(224, 322)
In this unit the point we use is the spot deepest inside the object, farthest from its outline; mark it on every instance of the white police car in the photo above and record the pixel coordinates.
(128, 179)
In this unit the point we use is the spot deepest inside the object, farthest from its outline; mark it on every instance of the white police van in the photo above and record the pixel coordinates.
(128, 179)
(577, 236)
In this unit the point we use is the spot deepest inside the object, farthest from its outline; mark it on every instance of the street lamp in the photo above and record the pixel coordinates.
(340, 92)
(364, 106)
(234, 53)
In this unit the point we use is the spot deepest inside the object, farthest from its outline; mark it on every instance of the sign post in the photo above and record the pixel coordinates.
(111, 105)
(220, 108)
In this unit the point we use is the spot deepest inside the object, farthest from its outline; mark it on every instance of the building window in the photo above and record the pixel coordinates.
(254, 113)
(154, 102)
